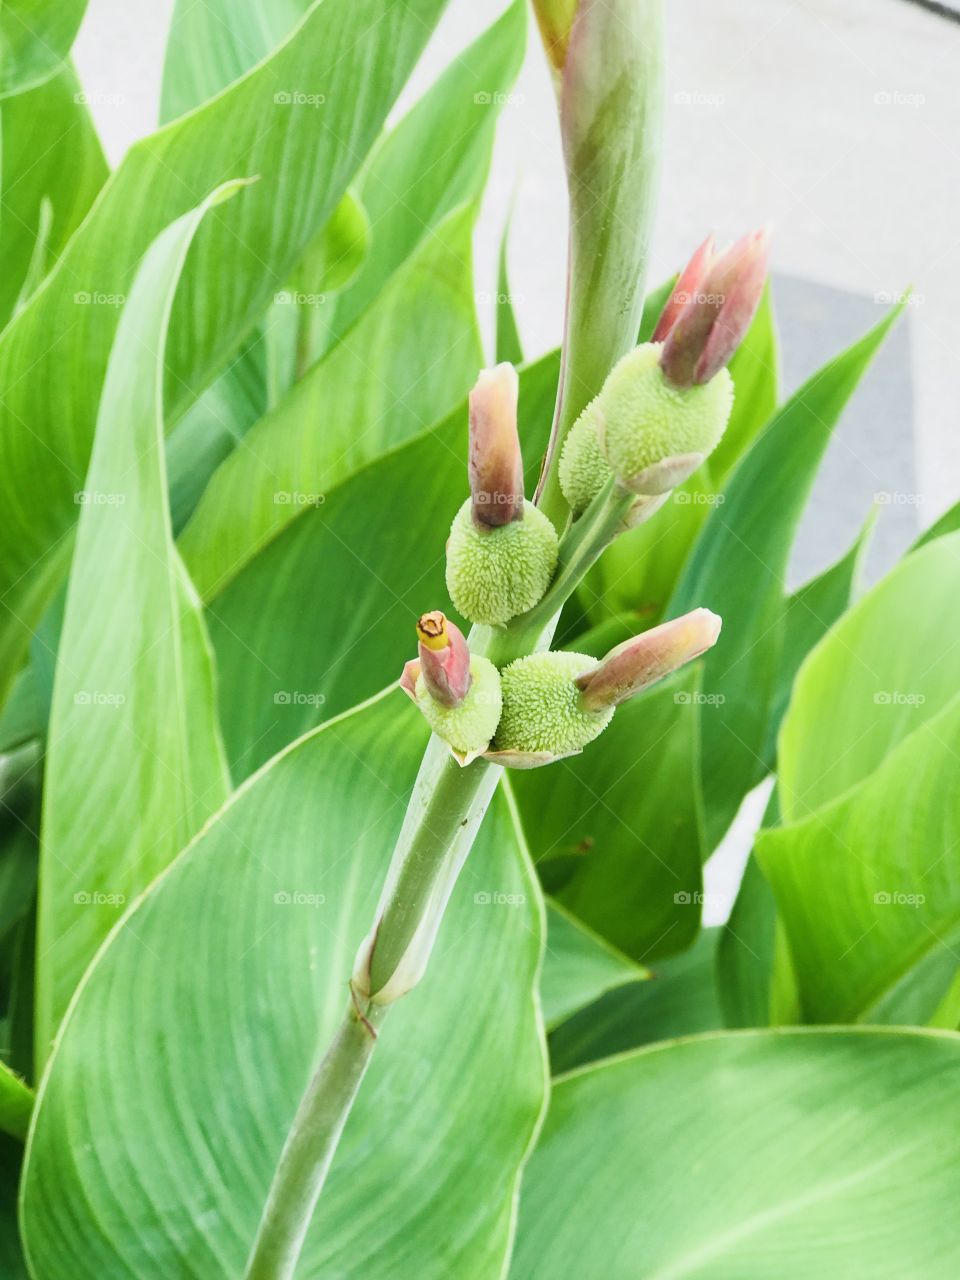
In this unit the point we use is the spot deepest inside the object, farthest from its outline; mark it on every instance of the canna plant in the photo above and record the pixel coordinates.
(324, 957)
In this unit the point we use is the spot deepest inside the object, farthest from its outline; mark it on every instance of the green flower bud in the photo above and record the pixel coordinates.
(469, 726)
(543, 708)
(584, 469)
(494, 574)
(653, 433)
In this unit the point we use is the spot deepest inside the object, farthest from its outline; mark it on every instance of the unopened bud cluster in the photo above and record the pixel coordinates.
(660, 413)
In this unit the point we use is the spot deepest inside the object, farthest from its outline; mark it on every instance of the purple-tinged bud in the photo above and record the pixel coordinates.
(495, 464)
(712, 325)
(687, 287)
(555, 20)
(444, 659)
(638, 663)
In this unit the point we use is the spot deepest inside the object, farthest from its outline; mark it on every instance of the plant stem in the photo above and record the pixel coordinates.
(311, 1144)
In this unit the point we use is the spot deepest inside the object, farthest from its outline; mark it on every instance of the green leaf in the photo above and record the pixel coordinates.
(16, 1104)
(509, 346)
(949, 522)
(21, 718)
(738, 568)
(135, 762)
(304, 158)
(12, 1264)
(212, 44)
(286, 659)
(255, 988)
(679, 999)
(887, 667)
(453, 124)
(35, 38)
(578, 967)
(750, 1155)
(755, 369)
(410, 359)
(616, 831)
(51, 157)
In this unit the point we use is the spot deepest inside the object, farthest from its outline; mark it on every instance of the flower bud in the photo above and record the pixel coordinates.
(495, 574)
(543, 712)
(444, 659)
(654, 434)
(468, 723)
(688, 285)
(638, 663)
(699, 341)
(495, 464)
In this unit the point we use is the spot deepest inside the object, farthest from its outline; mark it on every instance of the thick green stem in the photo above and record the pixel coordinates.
(310, 1146)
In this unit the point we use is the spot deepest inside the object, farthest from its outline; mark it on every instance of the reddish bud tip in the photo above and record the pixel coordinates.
(495, 463)
(713, 323)
(444, 659)
(687, 287)
(638, 663)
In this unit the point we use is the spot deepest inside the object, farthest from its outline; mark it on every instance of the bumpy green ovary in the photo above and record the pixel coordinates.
(541, 705)
(583, 468)
(470, 726)
(645, 420)
(495, 574)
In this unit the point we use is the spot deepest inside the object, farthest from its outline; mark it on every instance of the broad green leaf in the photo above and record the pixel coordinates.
(434, 160)
(12, 1265)
(50, 153)
(509, 346)
(678, 999)
(286, 659)
(21, 718)
(410, 359)
(135, 763)
(808, 614)
(738, 568)
(888, 666)
(212, 44)
(868, 886)
(255, 988)
(304, 158)
(744, 1156)
(578, 967)
(16, 1104)
(35, 38)
(616, 831)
